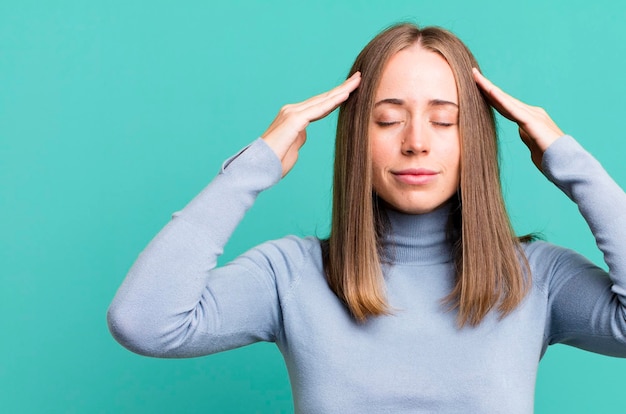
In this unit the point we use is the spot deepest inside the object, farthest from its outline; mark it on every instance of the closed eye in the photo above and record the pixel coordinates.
(443, 124)
(386, 123)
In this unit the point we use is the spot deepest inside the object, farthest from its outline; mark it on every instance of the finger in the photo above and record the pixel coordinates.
(505, 104)
(323, 105)
(291, 154)
(296, 117)
(348, 86)
(323, 108)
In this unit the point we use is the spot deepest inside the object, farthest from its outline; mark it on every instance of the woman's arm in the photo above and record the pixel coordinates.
(167, 304)
(174, 302)
(587, 306)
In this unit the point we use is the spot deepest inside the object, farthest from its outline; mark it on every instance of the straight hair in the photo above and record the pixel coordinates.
(491, 269)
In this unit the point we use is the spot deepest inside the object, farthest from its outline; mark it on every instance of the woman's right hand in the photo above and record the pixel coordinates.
(287, 133)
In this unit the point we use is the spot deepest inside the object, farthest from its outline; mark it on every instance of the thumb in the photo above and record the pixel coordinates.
(536, 154)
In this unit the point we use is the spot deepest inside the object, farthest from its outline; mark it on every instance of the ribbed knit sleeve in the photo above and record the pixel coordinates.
(587, 306)
(171, 303)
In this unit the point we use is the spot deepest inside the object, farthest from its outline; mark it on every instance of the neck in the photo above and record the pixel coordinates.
(418, 239)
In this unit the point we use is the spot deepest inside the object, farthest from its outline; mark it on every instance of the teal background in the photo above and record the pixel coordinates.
(113, 114)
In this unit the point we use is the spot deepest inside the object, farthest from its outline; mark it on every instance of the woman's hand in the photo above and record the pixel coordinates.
(287, 133)
(536, 128)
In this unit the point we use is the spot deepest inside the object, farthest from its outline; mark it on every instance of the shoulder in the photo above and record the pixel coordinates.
(290, 248)
(544, 253)
(285, 258)
(551, 264)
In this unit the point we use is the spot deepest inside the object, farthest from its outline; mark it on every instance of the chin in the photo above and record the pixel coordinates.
(418, 210)
(415, 208)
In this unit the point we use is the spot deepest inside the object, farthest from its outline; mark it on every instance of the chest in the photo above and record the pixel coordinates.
(417, 352)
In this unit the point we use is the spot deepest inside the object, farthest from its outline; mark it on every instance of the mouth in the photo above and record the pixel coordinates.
(415, 176)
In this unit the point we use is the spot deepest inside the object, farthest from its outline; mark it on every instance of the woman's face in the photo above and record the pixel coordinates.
(414, 132)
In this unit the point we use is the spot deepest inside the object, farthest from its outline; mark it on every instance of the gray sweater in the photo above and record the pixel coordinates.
(176, 303)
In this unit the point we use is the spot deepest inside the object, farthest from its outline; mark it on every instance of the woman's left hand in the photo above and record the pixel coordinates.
(536, 128)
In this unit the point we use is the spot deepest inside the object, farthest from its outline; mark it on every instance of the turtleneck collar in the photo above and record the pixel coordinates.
(417, 239)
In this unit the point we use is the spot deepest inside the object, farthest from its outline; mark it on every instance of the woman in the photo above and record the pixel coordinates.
(422, 299)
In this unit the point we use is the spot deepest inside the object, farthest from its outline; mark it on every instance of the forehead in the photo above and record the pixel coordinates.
(415, 74)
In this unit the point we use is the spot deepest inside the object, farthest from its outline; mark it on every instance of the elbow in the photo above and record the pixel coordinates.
(614, 338)
(132, 333)
(618, 327)
(148, 334)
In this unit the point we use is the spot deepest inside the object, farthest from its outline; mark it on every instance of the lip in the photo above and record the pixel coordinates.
(415, 176)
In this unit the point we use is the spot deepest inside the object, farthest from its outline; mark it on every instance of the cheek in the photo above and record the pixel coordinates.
(384, 144)
(455, 163)
(378, 170)
(378, 155)
(377, 175)
(455, 160)
(452, 154)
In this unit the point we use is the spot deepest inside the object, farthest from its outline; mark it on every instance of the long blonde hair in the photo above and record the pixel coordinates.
(491, 269)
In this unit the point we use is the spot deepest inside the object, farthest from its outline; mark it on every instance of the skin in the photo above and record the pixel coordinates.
(287, 133)
(414, 133)
(536, 128)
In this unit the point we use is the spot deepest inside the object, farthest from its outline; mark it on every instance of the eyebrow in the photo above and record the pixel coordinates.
(400, 102)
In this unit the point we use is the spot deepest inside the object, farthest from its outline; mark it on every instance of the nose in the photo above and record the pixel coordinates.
(415, 139)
